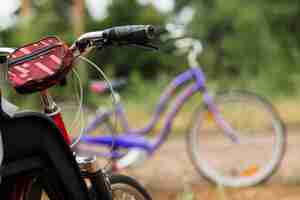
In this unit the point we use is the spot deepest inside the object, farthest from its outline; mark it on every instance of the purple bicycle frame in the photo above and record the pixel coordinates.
(134, 138)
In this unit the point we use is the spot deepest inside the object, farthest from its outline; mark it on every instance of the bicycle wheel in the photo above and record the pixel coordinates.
(124, 187)
(246, 162)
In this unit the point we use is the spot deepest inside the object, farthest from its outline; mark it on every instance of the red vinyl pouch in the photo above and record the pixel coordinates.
(39, 65)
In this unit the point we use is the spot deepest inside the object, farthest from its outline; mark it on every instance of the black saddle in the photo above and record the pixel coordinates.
(33, 145)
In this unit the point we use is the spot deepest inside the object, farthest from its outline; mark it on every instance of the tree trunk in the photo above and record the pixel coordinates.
(78, 13)
(25, 8)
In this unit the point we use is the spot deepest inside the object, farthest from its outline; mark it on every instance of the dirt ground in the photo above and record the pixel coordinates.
(169, 174)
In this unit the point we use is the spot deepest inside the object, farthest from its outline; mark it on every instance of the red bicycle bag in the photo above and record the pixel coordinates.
(39, 65)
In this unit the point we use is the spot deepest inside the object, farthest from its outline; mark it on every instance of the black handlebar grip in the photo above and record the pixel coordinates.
(132, 33)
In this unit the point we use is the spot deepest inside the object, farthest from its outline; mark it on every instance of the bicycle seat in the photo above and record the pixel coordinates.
(14, 160)
(32, 149)
(27, 164)
(10, 109)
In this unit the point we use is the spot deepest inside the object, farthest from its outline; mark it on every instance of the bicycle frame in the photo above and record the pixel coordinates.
(194, 74)
(133, 138)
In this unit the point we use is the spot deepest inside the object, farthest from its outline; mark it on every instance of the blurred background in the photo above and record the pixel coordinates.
(253, 45)
(247, 45)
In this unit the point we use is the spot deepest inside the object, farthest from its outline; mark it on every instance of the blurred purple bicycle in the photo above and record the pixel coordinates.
(103, 87)
(248, 152)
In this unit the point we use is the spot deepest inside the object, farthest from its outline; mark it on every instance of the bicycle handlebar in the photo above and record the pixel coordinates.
(6, 50)
(124, 35)
(133, 33)
(140, 35)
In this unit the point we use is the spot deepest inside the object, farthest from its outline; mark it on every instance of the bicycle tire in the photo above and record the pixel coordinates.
(118, 182)
(125, 187)
(211, 174)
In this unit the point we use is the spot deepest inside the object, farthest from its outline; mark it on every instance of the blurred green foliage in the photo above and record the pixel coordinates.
(249, 40)
(247, 43)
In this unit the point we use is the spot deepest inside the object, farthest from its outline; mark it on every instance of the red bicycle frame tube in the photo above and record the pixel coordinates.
(53, 111)
(57, 118)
